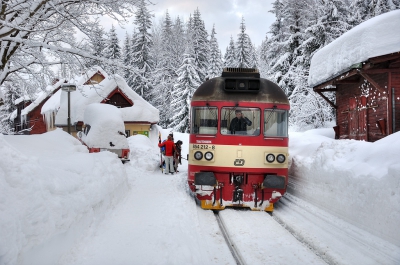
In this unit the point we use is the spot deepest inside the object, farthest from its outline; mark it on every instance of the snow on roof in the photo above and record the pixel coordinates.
(82, 79)
(14, 115)
(42, 96)
(23, 98)
(87, 94)
(106, 125)
(375, 37)
(52, 104)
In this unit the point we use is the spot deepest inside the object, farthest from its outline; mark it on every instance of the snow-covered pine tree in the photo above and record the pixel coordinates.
(126, 57)
(324, 24)
(178, 43)
(215, 61)
(254, 56)
(274, 44)
(11, 94)
(131, 72)
(262, 53)
(187, 82)
(199, 40)
(244, 48)
(294, 17)
(112, 51)
(230, 53)
(164, 72)
(332, 20)
(308, 109)
(141, 56)
(96, 46)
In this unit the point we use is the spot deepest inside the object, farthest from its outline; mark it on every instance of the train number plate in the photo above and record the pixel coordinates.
(204, 146)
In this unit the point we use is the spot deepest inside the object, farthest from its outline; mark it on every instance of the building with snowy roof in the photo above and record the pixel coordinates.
(95, 86)
(27, 117)
(362, 67)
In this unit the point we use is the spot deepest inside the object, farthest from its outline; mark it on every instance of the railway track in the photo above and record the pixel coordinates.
(231, 245)
(257, 238)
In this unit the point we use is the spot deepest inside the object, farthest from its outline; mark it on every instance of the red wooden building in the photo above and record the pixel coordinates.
(367, 99)
(362, 67)
(28, 119)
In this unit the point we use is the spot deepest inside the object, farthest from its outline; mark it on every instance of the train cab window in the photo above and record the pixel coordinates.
(204, 120)
(275, 123)
(240, 121)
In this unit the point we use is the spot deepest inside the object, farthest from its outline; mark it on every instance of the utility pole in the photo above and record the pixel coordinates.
(69, 88)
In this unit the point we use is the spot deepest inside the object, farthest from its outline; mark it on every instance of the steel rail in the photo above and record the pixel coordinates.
(235, 253)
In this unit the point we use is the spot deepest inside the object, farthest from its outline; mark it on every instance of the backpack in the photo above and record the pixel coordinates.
(163, 148)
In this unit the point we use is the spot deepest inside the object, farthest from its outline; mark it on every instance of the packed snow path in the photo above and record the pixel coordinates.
(159, 223)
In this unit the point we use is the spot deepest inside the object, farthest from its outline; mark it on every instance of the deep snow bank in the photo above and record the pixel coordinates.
(51, 187)
(355, 180)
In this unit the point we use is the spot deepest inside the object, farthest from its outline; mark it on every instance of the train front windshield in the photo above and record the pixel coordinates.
(276, 123)
(239, 121)
(204, 120)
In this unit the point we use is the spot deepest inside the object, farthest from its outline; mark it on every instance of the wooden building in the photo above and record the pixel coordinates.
(365, 77)
(367, 99)
(28, 118)
(50, 109)
(95, 86)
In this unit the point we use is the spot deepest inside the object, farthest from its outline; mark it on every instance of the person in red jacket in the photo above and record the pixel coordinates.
(169, 154)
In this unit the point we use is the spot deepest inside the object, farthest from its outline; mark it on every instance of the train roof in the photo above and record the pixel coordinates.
(215, 90)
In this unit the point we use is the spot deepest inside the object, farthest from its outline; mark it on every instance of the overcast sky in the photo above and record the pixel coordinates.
(225, 14)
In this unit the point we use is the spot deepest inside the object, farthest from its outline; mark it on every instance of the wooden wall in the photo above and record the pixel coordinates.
(395, 85)
(365, 115)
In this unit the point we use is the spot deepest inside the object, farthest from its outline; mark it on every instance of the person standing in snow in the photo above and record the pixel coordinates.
(169, 154)
(177, 155)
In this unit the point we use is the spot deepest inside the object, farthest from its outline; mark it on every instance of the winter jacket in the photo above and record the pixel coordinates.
(239, 124)
(178, 150)
(169, 147)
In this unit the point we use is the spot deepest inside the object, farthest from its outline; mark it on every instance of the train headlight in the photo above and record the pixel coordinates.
(208, 156)
(270, 158)
(280, 158)
(198, 155)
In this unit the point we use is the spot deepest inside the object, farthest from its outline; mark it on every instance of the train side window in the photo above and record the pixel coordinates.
(204, 120)
(240, 121)
(275, 123)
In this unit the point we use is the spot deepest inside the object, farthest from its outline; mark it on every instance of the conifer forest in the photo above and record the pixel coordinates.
(164, 59)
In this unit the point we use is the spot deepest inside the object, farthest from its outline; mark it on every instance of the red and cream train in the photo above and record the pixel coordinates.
(232, 168)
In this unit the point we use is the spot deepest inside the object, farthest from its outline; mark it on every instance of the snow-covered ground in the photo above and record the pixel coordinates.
(61, 205)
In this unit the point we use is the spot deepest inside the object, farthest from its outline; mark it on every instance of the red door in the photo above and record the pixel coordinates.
(353, 118)
(358, 118)
(362, 119)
